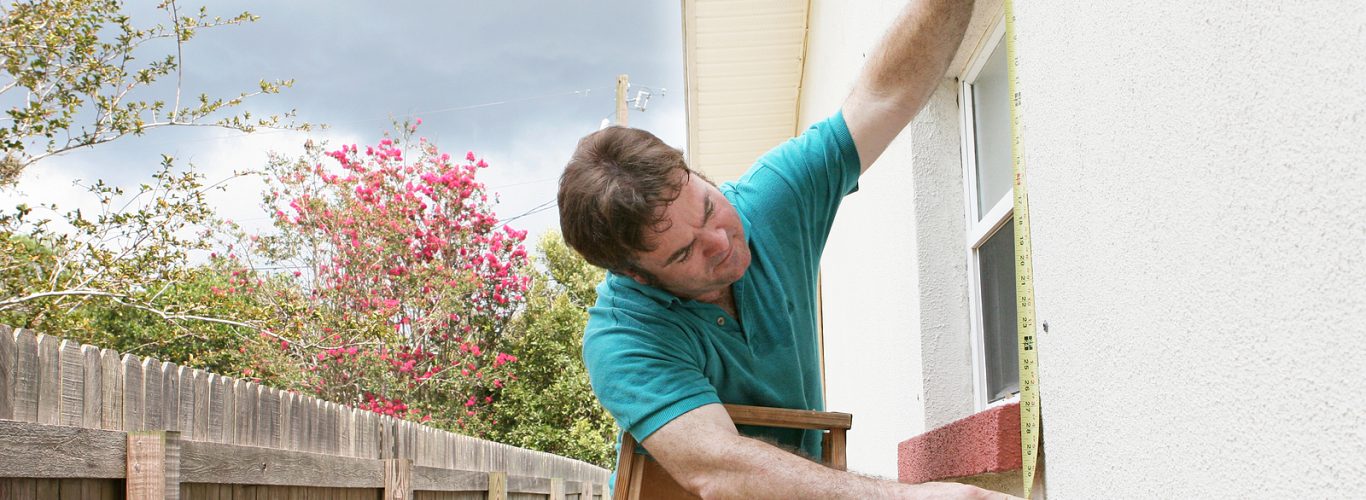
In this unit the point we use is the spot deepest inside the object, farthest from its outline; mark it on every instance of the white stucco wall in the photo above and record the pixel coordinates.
(1198, 179)
(1198, 183)
(869, 288)
(894, 287)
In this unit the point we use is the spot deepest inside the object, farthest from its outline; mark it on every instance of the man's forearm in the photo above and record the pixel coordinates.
(920, 43)
(903, 71)
(751, 469)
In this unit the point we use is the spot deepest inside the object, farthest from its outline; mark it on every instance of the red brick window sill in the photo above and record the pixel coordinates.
(988, 441)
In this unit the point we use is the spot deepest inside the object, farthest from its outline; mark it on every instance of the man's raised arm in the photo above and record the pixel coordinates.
(703, 452)
(902, 71)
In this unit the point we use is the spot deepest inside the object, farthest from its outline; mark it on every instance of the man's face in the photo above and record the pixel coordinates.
(703, 249)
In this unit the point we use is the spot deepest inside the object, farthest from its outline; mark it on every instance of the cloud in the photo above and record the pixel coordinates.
(357, 66)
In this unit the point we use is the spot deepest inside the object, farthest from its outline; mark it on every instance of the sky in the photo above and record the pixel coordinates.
(517, 82)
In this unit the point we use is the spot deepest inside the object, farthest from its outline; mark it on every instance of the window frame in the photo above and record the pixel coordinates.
(979, 227)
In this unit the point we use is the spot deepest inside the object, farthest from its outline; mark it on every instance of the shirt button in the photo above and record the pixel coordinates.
(720, 321)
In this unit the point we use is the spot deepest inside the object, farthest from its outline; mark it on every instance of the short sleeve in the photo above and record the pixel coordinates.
(803, 180)
(822, 162)
(645, 375)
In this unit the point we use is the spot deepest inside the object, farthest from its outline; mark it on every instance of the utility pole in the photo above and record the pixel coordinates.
(622, 84)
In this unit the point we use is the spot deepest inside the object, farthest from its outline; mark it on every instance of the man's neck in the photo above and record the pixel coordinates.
(725, 299)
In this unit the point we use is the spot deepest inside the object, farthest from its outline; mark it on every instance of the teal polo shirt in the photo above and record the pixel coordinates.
(652, 356)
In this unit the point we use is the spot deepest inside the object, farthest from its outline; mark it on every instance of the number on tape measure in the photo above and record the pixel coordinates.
(1024, 272)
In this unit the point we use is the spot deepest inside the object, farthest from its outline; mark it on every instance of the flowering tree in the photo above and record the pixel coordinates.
(552, 408)
(407, 278)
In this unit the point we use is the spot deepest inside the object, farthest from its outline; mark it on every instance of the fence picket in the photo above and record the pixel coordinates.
(246, 406)
(153, 408)
(229, 431)
(424, 446)
(365, 441)
(111, 390)
(286, 418)
(217, 409)
(392, 437)
(334, 434)
(374, 435)
(170, 397)
(25, 376)
(132, 394)
(308, 436)
(268, 405)
(185, 381)
(7, 362)
(49, 380)
(297, 433)
(343, 413)
(329, 437)
(379, 430)
(405, 440)
(443, 451)
(316, 430)
(92, 402)
(72, 364)
(201, 406)
(258, 415)
(453, 455)
(322, 432)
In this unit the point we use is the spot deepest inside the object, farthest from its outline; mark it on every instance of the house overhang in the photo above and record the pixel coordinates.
(743, 65)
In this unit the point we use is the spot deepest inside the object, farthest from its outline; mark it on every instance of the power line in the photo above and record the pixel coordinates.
(534, 210)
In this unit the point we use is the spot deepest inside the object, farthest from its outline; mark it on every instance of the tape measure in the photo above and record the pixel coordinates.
(1024, 273)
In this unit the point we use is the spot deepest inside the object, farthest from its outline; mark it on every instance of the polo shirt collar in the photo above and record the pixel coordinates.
(622, 281)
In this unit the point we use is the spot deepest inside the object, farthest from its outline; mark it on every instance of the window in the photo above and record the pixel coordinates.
(988, 184)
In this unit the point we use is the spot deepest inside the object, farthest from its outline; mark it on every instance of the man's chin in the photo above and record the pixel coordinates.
(740, 269)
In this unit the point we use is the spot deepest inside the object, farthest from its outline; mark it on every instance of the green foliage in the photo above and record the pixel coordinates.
(74, 63)
(411, 301)
(121, 277)
(550, 406)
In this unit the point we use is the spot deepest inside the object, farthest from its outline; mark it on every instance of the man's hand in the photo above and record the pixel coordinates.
(703, 452)
(902, 72)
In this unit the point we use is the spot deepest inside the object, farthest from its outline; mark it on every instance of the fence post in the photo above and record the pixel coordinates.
(585, 490)
(153, 465)
(498, 486)
(556, 488)
(398, 479)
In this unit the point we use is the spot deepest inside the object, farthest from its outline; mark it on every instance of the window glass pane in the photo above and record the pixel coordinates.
(997, 265)
(991, 127)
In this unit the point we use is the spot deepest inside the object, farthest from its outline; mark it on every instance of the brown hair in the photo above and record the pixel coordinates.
(613, 188)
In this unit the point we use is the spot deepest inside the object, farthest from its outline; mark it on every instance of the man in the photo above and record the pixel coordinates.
(711, 296)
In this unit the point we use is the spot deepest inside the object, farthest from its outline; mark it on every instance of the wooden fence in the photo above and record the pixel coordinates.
(81, 422)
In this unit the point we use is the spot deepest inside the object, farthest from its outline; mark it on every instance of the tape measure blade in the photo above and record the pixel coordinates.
(1024, 272)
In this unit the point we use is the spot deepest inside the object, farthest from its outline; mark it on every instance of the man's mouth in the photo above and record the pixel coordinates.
(726, 258)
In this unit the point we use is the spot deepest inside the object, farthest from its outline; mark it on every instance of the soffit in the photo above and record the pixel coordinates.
(743, 63)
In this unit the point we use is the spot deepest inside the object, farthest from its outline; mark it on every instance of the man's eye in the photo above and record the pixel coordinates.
(686, 254)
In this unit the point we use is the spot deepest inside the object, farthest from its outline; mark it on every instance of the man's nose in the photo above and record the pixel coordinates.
(716, 242)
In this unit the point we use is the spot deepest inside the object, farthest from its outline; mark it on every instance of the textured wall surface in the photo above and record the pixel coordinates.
(1198, 184)
(897, 349)
(869, 287)
(987, 442)
(941, 261)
